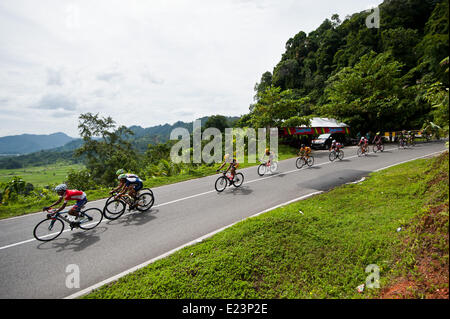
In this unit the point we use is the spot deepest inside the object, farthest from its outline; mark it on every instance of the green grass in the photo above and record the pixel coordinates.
(40, 176)
(321, 253)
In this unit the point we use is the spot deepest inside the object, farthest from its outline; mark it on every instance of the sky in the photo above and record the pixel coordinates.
(142, 62)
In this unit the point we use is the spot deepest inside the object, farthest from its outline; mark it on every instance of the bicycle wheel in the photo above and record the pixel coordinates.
(145, 201)
(48, 229)
(114, 209)
(375, 148)
(273, 167)
(110, 198)
(90, 218)
(300, 162)
(146, 190)
(261, 169)
(332, 156)
(221, 183)
(381, 148)
(359, 152)
(340, 155)
(238, 179)
(310, 161)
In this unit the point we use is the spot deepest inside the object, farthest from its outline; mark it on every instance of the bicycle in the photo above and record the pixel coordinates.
(222, 181)
(338, 153)
(303, 160)
(53, 225)
(116, 205)
(264, 167)
(362, 150)
(378, 147)
(401, 143)
(411, 141)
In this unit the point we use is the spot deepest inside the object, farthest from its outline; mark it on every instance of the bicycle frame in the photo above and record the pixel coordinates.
(225, 173)
(59, 215)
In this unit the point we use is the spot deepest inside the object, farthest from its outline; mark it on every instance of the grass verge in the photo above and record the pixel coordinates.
(315, 248)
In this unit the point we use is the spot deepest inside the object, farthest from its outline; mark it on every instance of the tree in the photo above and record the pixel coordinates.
(106, 148)
(217, 121)
(435, 44)
(370, 95)
(275, 106)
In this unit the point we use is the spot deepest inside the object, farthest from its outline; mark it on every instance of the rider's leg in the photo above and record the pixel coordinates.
(233, 172)
(75, 211)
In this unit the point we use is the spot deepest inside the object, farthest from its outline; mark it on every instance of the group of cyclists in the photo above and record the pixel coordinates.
(406, 138)
(130, 184)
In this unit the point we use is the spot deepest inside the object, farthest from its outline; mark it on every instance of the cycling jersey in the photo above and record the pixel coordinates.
(336, 145)
(271, 155)
(135, 181)
(305, 150)
(79, 196)
(74, 195)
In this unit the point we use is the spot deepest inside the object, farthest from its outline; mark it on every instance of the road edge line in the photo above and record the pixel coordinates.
(195, 241)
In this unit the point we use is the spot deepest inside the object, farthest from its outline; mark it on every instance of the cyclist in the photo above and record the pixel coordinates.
(335, 146)
(377, 140)
(363, 143)
(68, 195)
(130, 184)
(304, 151)
(411, 137)
(232, 167)
(270, 154)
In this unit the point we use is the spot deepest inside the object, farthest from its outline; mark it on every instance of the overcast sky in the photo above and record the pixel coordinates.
(142, 62)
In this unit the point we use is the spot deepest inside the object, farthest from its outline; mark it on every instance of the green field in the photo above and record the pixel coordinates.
(315, 248)
(40, 176)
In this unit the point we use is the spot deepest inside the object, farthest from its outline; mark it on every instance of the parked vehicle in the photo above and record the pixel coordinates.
(324, 140)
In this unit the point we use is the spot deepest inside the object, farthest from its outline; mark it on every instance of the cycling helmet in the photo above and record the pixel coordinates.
(226, 156)
(334, 141)
(303, 145)
(122, 176)
(120, 171)
(61, 188)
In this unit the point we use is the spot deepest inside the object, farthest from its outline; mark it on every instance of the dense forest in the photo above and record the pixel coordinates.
(388, 78)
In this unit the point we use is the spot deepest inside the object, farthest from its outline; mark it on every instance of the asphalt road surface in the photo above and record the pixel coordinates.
(182, 213)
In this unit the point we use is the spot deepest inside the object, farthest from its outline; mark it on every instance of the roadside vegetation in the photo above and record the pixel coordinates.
(320, 247)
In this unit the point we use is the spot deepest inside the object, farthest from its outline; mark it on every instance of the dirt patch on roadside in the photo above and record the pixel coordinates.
(431, 269)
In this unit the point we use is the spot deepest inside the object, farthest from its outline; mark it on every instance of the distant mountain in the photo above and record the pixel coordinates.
(29, 143)
(64, 151)
(161, 133)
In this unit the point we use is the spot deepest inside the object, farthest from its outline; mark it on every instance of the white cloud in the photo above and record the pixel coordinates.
(142, 62)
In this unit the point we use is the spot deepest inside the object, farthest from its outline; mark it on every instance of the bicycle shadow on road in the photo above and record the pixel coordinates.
(77, 241)
(343, 160)
(276, 174)
(135, 218)
(242, 190)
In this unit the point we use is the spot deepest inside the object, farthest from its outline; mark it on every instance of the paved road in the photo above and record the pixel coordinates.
(182, 213)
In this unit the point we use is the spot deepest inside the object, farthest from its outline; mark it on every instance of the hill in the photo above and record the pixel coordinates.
(64, 151)
(373, 79)
(29, 143)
